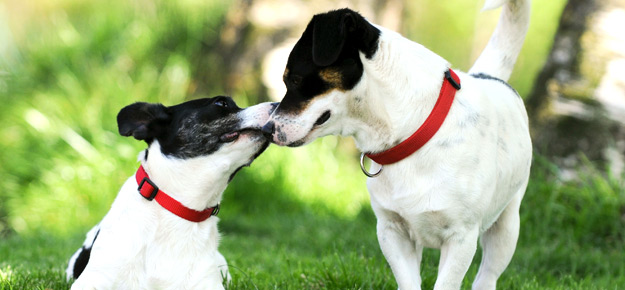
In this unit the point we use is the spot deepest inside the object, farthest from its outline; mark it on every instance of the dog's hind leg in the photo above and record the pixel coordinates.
(400, 252)
(79, 260)
(498, 245)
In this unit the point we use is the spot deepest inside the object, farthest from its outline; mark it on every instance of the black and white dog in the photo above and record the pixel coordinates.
(164, 234)
(455, 149)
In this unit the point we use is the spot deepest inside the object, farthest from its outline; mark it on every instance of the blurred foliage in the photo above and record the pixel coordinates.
(458, 31)
(68, 66)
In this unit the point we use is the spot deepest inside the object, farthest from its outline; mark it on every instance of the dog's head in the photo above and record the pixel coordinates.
(198, 128)
(322, 69)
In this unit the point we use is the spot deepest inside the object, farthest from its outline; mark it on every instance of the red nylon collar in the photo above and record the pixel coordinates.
(451, 83)
(150, 191)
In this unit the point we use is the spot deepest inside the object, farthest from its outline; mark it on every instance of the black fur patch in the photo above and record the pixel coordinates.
(330, 45)
(187, 130)
(83, 258)
(492, 78)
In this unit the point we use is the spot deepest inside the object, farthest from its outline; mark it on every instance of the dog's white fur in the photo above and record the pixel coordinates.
(466, 182)
(143, 246)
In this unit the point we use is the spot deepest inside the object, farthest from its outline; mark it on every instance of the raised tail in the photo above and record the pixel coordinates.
(502, 50)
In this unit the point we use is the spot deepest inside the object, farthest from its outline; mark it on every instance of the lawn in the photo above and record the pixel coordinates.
(298, 218)
(571, 238)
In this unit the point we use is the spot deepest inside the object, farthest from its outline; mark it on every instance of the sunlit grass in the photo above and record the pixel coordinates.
(325, 172)
(571, 238)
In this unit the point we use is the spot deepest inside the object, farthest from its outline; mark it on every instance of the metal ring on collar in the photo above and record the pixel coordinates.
(362, 166)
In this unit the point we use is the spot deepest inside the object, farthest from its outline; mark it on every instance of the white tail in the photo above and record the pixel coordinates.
(502, 50)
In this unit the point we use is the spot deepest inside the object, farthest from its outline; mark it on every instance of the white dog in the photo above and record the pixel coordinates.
(451, 172)
(161, 232)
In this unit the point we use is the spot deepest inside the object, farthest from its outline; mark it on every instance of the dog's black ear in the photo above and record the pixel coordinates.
(143, 121)
(330, 33)
(334, 30)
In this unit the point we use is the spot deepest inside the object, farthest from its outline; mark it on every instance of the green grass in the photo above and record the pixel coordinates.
(572, 237)
(299, 218)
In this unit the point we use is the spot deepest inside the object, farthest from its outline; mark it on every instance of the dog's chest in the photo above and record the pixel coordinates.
(171, 262)
(428, 210)
(152, 248)
(430, 228)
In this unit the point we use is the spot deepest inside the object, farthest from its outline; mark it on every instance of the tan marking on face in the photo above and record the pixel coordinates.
(286, 73)
(333, 77)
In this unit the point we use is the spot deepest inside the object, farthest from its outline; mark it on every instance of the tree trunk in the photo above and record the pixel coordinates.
(578, 100)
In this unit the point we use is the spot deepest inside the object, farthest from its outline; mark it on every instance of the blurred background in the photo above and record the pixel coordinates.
(68, 66)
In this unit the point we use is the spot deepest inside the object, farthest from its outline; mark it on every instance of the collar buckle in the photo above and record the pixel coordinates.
(152, 194)
(451, 80)
(169, 203)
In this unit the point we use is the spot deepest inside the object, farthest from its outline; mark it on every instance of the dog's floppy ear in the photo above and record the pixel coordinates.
(334, 30)
(330, 32)
(143, 121)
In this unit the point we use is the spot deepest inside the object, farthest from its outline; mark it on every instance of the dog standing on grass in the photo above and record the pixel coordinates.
(451, 151)
(161, 232)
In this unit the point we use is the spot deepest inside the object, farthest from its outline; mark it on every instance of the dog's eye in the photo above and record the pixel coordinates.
(221, 103)
(296, 80)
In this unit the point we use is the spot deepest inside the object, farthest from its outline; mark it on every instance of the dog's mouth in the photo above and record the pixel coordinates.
(250, 123)
(234, 135)
(229, 137)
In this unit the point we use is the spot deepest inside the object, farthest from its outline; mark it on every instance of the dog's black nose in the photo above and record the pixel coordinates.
(268, 129)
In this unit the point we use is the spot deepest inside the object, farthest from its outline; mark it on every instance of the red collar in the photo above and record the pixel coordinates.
(150, 191)
(451, 84)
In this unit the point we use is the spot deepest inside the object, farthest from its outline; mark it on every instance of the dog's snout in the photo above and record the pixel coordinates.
(268, 129)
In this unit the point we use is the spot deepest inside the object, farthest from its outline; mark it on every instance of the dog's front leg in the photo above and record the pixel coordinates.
(456, 256)
(401, 253)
